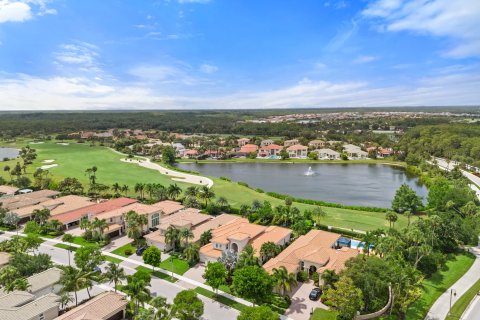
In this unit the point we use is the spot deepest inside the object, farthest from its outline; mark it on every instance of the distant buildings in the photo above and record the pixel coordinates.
(289, 143)
(354, 152)
(297, 151)
(242, 141)
(327, 154)
(270, 151)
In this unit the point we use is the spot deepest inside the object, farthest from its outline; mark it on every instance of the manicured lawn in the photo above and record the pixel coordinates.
(74, 159)
(322, 314)
(439, 283)
(112, 259)
(175, 264)
(221, 299)
(121, 251)
(66, 247)
(157, 274)
(462, 303)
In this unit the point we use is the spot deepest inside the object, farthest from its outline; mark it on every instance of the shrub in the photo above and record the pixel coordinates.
(225, 178)
(67, 237)
(259, 190)
(32, 227)
(243, 184)
(302, 276)
(128, 252)
(316, 279)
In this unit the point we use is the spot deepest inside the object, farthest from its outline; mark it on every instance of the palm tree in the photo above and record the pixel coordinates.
(172, 236)
(139, 187)
(100, 225)
(206, 194)
(56, 225)
(173, 191)
(192, 253)
(317, 215)
(160, 191)
(408, 214)
(134, 230)
(149, 187)
(283, 280)
(222, 202)
(85, 224)
(256, 205)
(162, 308)
(138, 292)
(247, 257)
(8, 275)
(64, 299)
(125, 189)
(391, 218)
(41, 216)
(269, 250)
(244, 209)
(191, 191)
(186, 234)
(142, 221)
(116, 187)
(91, 172)
(20, 284)
(205, 237)
(73, 279)
(7, 169)
(114, 274)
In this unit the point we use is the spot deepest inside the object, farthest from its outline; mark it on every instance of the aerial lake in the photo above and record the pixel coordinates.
(9, 153)
(372, 185)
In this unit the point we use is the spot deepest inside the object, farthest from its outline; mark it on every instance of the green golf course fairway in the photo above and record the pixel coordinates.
(73, 159)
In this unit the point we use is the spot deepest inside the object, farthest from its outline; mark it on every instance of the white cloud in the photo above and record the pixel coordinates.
(208, 68)
(23, 92)
(364, 59)
(457, 20)
(14, 11)
(165, 74)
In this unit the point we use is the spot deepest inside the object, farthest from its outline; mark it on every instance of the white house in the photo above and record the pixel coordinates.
(297, 151)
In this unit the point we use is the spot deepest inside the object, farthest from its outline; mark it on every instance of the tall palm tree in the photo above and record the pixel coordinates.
(206, 194)
(161, 193)
(149, 188)
(41, 216)
(317, 215)
(73, 280)
(114, 274)
(186, 234)
(172, 236)
(64, 299)
(91, 172)
(137, 290)
(162, 308)
(192, 253)
(222, 202)
(100, 225)
(116, 187)
(283, 280)
(173, 191)
(247, 257)
(142, 221)
(125, 189)
(391, 218)
(139, 188)
(205, 237)
(191, 191)
(8, 275)
(244, 209)
(85, 224)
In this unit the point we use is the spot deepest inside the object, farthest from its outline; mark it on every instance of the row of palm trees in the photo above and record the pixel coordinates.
(94, 229)
(174, 237)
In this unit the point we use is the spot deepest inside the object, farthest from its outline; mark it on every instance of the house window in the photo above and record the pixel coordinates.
(155, 219)
(41, 316)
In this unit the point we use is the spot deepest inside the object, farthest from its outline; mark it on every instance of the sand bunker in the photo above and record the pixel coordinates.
(63, 143)
(48, 161)
(39, 142)
(48, 166)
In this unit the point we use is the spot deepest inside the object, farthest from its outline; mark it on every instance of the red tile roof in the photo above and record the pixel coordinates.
(272, 147)
(249, 148)
(93, 209)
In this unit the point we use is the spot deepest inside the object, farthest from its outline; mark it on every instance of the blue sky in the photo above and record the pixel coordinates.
(233, 54)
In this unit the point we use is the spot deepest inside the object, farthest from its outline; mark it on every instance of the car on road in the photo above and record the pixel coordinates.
(140, 250)
(315, 294)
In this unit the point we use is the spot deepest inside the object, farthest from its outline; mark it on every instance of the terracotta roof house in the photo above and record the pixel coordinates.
(56, 206)
(4, 258)
(289, 143)
(248, 148)
(327, 154)
(237, 234)
(168, 206)
(28, 199)
(86, 134)
(45, 282)
(192, 153)
(266, 142)
(115, 217)
(188, 218)
(270, 151)
(314, 252)
(105, 306)
(316, 144)
(21, 305)
(7, 190)
(242, 141)
(384, 152)
(297, 151)
(73, 217)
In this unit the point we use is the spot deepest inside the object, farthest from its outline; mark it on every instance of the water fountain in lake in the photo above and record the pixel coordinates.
(309, 172)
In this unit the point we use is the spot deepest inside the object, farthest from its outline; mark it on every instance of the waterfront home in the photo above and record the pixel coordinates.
(23, 305)
(270, 151)
(45, 282)
(289, 143)
(384, 152)
(106, 306)
(316, 251)
(56, 206)
(354, 152)
(242, 141)
(266, 142)
(316, 144)
(248, 148)
(72, 218)
(179, 149)
(297, 151)
(168, 207)
(86, 134)
(237, 234)
(28, 199)
(7, 190)
(184, 219)
(327, 154)
(191, 154)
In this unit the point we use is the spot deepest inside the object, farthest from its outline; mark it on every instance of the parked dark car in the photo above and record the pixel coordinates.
(315, 294)
(140, 250)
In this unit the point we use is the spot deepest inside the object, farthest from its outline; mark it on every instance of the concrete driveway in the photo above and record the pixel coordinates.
(117, 243)
(196, 273)
(301, 305)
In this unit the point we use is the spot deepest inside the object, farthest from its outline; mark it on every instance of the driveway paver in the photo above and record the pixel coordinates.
(301, 305)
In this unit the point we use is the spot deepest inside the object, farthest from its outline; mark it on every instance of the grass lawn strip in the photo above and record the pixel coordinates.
(121, 251)
(224, 300)
(438, 283)
(175, 264)
(463, 302)
(157, 274)
(322, 314)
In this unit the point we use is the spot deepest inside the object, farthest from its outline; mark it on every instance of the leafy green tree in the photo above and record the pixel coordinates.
(345, 298)
(70, 186)
(114, 274)
(8, 275)
(269, 250)
(215, 275)
(137, 290)
(152, 256)
(283, 281)
(257, 313)
(11, 219)
(28, 265)
(187, 306)
(252, 283)
(168, 155)
(20, 284)
(248, 257)
(88, 257)
(406, 199)
(162, 308)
